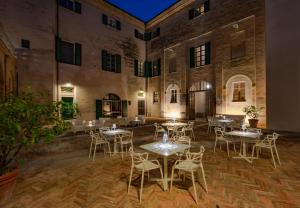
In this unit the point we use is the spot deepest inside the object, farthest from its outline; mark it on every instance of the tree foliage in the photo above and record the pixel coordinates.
(25, 120)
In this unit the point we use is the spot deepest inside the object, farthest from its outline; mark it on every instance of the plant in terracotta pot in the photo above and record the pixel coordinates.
(252, 112)
(24, 120)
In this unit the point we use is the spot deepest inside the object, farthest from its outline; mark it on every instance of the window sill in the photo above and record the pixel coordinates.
(238, 101)
(69, 64)
(201, 67)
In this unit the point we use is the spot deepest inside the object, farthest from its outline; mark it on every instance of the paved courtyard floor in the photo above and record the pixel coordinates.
(69, 179)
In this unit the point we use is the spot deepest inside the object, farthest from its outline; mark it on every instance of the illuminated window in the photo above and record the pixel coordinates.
(155, 97)
(173, 96)
(200, 55)
(239, 92)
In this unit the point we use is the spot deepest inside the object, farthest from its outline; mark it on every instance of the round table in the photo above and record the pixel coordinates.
(174, 124)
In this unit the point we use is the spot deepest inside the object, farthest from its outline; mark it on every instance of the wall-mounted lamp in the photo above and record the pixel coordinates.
(68, 84)
(235, 26)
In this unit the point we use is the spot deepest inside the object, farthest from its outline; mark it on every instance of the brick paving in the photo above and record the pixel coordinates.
(70, 180)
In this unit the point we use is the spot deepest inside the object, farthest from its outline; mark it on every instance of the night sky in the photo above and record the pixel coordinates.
(143, 9)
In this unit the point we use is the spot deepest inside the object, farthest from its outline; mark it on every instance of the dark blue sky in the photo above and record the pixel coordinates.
(143, 9)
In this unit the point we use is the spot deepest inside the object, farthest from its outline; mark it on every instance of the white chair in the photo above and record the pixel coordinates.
(192, 164)
(190, 128)
(97, 139)
(141, 163)
(269, 142)
(220, 137)
(211, 124)
(125, 140)
(158, 130)
(177, 132)
(182, 140)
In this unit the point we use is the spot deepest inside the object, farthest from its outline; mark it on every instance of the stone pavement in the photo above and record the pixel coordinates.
(70, 180)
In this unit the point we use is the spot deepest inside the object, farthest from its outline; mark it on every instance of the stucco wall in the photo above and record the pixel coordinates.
(36, 22)
(283, 64)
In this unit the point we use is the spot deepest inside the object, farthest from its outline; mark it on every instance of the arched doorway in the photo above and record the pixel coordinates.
(200, 100)
(111, 105)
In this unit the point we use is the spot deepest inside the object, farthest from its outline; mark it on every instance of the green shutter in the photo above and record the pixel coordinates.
(58, 48)
(149, 69)
(192, 57)
(104, 19)
(124, 108)
(136, 67)
(147, 36)
(77, 7)
(118, 25)
(118, 63)
(136, 33)
(206, 6)
(98, 109)
(158, 67)
(207, 53)
(104, 65)
(67, 111)
(78, 54)
(191, 13)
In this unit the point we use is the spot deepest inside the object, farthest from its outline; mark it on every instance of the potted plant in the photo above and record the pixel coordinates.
(252, 112)
(24, 120)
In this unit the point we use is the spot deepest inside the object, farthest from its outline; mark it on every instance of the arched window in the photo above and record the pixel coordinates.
(173, 93)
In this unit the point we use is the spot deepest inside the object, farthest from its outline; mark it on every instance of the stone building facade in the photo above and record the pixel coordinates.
(232, 32)
(235, 31)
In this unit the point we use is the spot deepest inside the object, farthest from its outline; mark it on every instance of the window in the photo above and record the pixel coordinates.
(71, 5)
(151, 35)
(25, 43)
(200, 10)
(139, 70)
(239, 92)
(156, 68)
(155, 97)
(69, 53)
(138, 34)
(173, 96)
(112, 22)
(141, 107)
(200, 56)
(111, 62)
(156, 33)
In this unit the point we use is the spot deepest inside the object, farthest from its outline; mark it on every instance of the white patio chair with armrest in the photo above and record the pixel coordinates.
(190, 128)
(177, 132)
(97, 139)
(182, 140)
(158, 129)
(192, 164)
(211, 124)
(124, 140)
(269, 142)
(220, 137)
(141, 163)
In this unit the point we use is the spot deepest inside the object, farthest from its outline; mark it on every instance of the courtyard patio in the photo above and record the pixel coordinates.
(63, 176)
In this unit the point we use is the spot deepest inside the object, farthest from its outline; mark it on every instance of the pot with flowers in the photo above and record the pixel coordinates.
(25, 120)
(252, 112)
